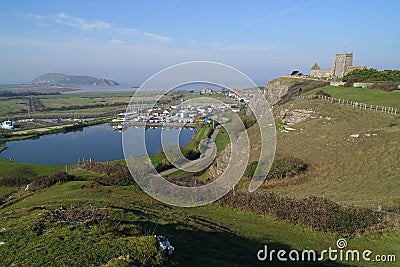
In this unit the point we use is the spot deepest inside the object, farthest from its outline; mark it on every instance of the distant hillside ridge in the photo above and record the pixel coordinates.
(70, 80)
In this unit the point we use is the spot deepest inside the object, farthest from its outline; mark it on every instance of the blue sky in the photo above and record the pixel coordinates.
(130, 40)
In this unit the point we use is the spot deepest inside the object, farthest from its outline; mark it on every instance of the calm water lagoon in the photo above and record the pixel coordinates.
(100, 143)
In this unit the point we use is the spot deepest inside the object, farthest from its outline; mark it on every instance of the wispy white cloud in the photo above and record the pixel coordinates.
(116, 42)
(127, 31)
(83, 24)
(102, 26)
(277, 14)
(157, 37)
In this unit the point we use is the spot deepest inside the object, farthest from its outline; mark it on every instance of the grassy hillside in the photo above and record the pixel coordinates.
(209, 235)
(360, 170)
(363, 95)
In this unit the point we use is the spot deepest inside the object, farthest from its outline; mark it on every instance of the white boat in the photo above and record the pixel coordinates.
(122, 117)
(26, 120)
(120, 127)
(8, 125)
(120, 120)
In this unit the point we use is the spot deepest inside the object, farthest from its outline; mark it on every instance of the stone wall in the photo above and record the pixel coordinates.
(321, 73)
(337, 83)
(363, 85)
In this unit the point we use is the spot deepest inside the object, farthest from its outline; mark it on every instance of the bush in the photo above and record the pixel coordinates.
(313, 212)
(249, 121)
(386, 86)
(115, 174)
(52, 179)
(372, 75)
(162, 166)
(190, 154)
(17, 176)
(116, 180)
(288, 166)
(323, 93)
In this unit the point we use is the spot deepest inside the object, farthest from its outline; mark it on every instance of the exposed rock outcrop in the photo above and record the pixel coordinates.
(281, 90)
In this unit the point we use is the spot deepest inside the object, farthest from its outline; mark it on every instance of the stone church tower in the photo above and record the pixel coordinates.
(341, 65)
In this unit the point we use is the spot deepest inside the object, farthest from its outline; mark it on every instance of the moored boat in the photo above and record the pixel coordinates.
(8, 125)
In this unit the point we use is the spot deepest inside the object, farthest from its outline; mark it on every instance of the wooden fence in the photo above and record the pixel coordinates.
(352, 103)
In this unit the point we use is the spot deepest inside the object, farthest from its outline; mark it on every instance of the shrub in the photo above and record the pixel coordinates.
(372, 75)
(17, 176)
(125, 180)
(288, 166)
(162, 166)
(46, 181)
(190, 154)
(313, 212)
(249, 121)
(115, 174)
(323, 93)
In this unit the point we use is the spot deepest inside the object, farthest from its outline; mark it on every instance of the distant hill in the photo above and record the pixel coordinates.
(71, 80)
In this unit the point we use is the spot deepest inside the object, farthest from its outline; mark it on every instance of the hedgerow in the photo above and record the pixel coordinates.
(314, 212)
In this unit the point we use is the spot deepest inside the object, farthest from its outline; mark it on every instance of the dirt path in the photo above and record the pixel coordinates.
(172, 170)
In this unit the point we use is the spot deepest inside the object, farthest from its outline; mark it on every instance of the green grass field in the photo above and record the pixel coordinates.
(39, 169)
(363, 95)
(361, 170)
(9, 106)
(209, 235)
(82, 101)
(89, 95)
(18, 106)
